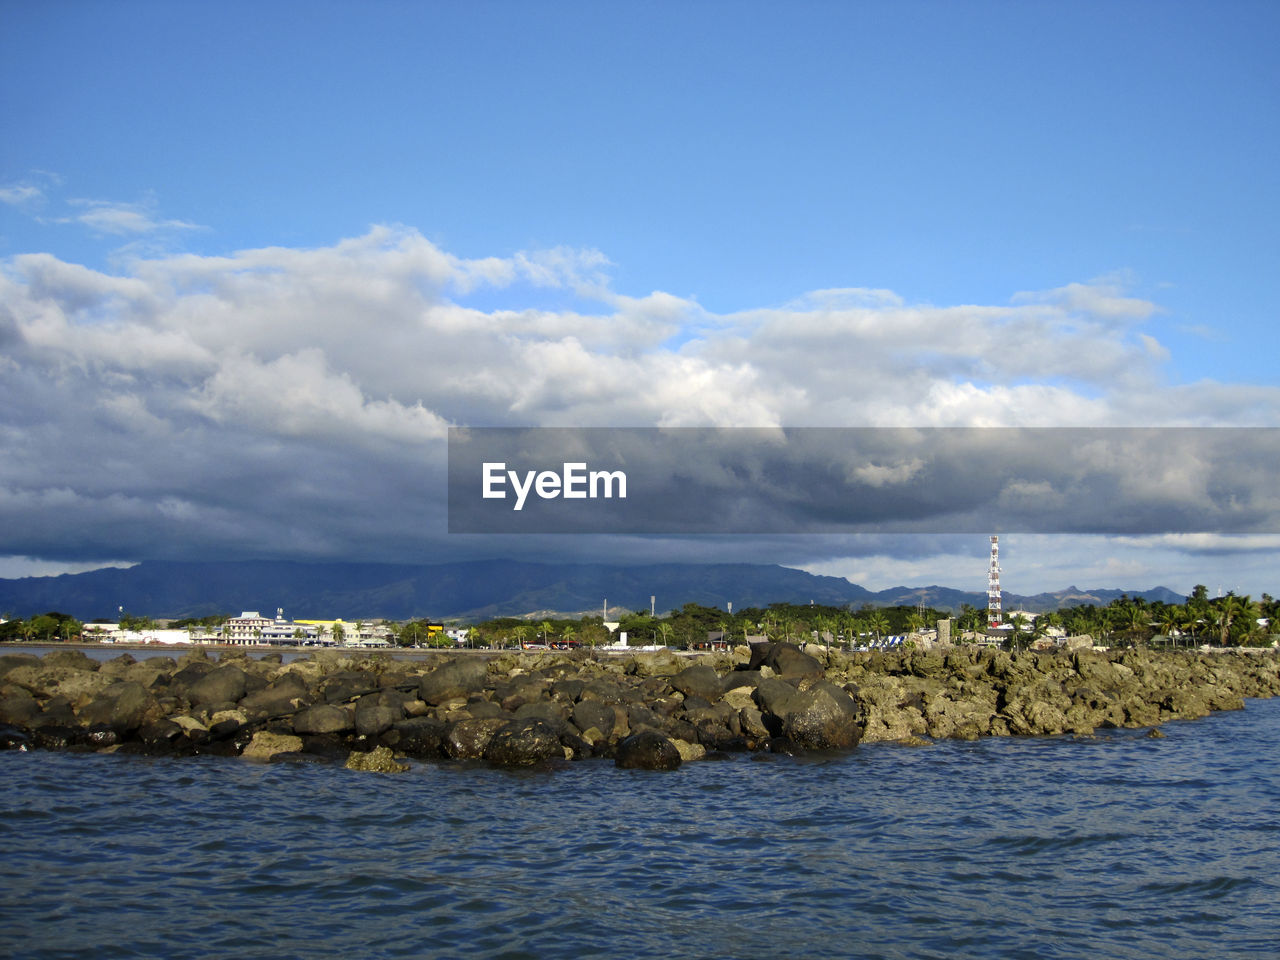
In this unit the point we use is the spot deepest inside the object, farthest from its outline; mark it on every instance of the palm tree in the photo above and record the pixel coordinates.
(1019, 623)
(825, 628)
(665, 629)
(545, 628)
(567, 633)
(521, 633)
(1133, 619)
(1040, 627)
(1168, 620)
(1229, 608)
(877, 623)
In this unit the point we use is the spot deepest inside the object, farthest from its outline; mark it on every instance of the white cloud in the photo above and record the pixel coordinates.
(1103, 300)
(122, 219)
(20, 194)
(299, 396)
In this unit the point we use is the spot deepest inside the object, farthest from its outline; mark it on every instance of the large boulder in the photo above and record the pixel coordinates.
(285, 696)
(122, 707)
(377, 713)
(468, 739)
(822, 717)
(548, 711)
(457, 678)
(420, 737)
(348, 685)
(699, 681)
(523, 742)
(776, 696)
(225, 684)
(323, 718)
(647, 750)
(601, 690)
(785, 660)
(593, 713)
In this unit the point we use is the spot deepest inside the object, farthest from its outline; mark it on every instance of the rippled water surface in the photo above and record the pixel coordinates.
(1120, 846)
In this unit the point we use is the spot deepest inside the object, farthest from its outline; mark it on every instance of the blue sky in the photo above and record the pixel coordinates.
(654, 192)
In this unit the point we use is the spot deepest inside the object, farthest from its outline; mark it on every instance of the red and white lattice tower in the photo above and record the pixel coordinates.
(993, 585)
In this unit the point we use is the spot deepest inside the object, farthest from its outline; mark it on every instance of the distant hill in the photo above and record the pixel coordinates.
(471, 590)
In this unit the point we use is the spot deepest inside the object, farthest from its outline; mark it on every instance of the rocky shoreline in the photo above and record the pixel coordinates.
(647, 711)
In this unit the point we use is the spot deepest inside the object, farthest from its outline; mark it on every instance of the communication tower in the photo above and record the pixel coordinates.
(993, 585)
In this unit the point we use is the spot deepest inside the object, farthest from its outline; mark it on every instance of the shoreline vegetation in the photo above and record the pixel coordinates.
(652, 710)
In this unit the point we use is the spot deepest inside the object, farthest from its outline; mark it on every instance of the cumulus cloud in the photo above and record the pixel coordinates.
(293, 402)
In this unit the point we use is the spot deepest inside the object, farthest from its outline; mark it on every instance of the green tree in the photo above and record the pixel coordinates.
(1226, 611)
(44, 626)
(878, 624)
(1019, 623)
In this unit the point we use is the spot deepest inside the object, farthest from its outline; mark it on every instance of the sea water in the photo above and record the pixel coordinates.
(1118, 845)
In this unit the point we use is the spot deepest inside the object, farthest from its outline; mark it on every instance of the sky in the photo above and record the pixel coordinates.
(257, 258)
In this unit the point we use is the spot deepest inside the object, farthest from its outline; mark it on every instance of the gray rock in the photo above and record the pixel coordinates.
(285, 696)
(221, 685)
(420, 737)
(660, 663)
(647, 750)
(121, 706)
(457, 678)
(72, 660)
(19, 707)
(485, 708)
(265, 745)
(378, 760)
(699, 681)
(786, 660)
(602, 691)
(468, 739)
(593, 713)
(323, 718)
(374, 716)
(823, 717)
(776, 696)
(548, 712)
(523, 742)
(8, 661)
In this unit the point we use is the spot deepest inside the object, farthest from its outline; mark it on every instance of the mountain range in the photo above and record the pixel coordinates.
(473, 590)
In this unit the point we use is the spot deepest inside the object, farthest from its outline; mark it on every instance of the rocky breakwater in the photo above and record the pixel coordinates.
(968, 693)
(648, 711)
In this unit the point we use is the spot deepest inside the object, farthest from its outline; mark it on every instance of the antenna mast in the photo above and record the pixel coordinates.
(993, 585)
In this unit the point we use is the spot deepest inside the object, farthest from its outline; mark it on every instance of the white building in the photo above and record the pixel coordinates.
(251, 627)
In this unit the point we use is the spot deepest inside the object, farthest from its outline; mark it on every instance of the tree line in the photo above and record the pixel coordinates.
(1230, 620)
